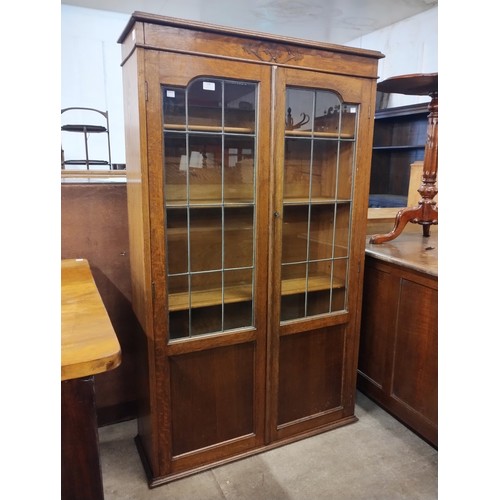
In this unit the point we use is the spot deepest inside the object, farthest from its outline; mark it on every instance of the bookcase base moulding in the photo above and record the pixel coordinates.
(248, 169)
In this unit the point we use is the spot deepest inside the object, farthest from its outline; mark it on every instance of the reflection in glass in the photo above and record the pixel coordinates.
(299, 109)
(327, 112)
(204, 104)
(239, 171)
(239, 110)
(174, 107)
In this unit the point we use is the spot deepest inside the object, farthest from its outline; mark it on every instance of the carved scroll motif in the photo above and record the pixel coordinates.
(273, 53)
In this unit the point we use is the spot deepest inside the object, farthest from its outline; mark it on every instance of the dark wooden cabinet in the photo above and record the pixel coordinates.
(398, 355)
(248, 162)
(399, 140)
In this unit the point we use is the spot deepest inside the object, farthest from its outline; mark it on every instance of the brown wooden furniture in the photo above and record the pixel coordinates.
(399, 137)
(398, 355)
(88, 346)
(426, 213)
(246, 236)
(94, 226)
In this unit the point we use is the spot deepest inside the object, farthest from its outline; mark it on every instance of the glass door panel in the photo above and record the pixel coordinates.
(239, 107)
(293, 288)
(174, 107)
(177, 240)
(321, 232)
(204, 105)
(339, 289)
(205, 239)
(175, 149)
(345, 170)
(342, 229)
(297, 168)
(210, 151)
(295, 220)
(239, 171)
(299, 110)
(204, 164)
(327, 113)
(238, 237)
(319, 145)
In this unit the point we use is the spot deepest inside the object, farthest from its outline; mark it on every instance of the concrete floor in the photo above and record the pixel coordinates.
(375, 458)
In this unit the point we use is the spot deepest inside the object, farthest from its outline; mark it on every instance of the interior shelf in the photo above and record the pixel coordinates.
(313, 201)
(243, 293)
(210, 203)
(395, 147)
(309, 133)
(209, 128)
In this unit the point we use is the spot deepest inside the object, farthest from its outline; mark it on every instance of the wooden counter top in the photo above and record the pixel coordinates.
(88, 341)
(410, 249)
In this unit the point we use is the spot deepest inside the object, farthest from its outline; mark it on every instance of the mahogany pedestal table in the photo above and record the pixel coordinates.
(426, 213)
(88, 346)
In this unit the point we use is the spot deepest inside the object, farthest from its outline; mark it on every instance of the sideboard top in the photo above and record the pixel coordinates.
(410, 250)
(224, 30)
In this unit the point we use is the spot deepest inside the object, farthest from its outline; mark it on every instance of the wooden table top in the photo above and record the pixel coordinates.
(410, 249)
(88, 341)
(414, 84)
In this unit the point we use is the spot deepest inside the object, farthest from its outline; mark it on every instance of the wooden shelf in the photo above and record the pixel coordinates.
(243, 293)
(314, 284)
(210, 297)
(210, 203)
(313, 201)
(93, 173)
(208, 128)
(183, 231)
(395, 147)
(309, 133)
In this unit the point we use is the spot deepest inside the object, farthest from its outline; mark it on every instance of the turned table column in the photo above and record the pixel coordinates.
(426, 213)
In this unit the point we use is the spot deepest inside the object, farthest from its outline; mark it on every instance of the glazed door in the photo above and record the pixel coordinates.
(315, 252)
(209, 164)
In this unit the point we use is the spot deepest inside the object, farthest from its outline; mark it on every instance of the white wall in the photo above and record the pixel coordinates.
(410, 46)
(91, 57)
(91, 75)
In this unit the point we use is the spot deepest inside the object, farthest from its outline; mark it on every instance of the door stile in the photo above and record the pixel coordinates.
(275, 249)
(158, 259)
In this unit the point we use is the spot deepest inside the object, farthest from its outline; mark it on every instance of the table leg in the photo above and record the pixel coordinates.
(81, 476)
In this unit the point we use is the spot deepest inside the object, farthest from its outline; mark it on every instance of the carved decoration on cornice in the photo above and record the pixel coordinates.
(270, 52)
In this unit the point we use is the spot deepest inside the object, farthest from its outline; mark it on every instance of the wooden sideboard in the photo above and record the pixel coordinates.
(88, 346)
(398, 355)
(94, 226)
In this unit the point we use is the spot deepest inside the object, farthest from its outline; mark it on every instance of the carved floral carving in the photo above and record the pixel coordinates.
(269, 52)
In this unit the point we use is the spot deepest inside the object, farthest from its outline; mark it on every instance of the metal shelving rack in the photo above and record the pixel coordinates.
(86, 130)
